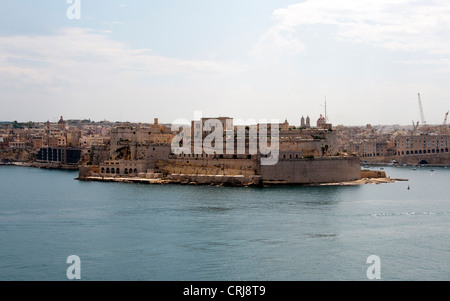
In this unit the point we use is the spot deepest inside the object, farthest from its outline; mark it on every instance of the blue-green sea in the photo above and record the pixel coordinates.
(123, 231)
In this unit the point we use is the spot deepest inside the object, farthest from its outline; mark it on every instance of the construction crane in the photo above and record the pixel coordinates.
(422, 117)
(445, 119)
(415, 126)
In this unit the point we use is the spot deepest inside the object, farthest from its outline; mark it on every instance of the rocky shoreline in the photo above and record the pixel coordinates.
(362, 181)
(42, 165)
(184, 181)
(365, 181)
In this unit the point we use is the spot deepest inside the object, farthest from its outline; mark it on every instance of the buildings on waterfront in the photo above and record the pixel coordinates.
(60, 143)
(402, 144)
(303, 155)
(124, 149)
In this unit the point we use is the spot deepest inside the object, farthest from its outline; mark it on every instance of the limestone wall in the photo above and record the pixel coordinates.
(222, 180)
(203, 166)
(372, 174)
(438, 159)
(313, 171)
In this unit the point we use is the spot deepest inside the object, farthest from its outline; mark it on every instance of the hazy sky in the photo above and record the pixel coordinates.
(249, 59)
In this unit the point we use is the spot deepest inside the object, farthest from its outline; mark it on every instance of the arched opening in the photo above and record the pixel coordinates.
(103, 170)
(107, 170)
(117, 171)
(423, 162)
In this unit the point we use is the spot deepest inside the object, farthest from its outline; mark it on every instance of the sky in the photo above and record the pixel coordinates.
(133, 60)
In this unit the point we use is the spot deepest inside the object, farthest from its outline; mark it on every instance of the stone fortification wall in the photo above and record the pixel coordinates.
(152, 152)
(313, 171)
(429, 158)
(225, 167)
(222, 180)
(372, 174)
(437, 159)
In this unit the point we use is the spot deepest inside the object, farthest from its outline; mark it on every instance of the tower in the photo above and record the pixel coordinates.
(321, 121)
(61, 124)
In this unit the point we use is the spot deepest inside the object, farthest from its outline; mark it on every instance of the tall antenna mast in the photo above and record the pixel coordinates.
(326, 119)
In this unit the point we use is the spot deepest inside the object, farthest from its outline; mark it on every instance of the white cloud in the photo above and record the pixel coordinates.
(404, 25)
(278, 40)
(81, 72)
(85, 55)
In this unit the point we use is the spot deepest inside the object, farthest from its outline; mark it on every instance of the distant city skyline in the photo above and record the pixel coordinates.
(256, 59)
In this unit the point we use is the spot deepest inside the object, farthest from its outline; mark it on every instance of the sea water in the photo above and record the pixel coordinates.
(124, 231)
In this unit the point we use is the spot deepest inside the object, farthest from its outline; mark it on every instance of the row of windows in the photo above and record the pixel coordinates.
(207, 156)
(117, 171)
(419, 152)
(368, 155)
(425, 145)
(428, 142)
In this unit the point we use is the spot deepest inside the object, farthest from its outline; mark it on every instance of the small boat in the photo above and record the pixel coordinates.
(431, 169)
(414, 168)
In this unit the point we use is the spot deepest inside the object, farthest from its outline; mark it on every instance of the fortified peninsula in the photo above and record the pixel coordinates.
(300, 156)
